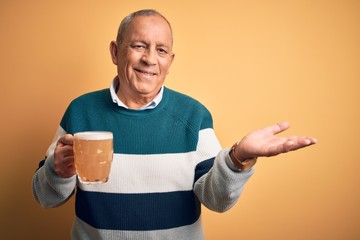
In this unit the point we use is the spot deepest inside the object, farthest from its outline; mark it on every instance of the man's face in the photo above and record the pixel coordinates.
(144, 57)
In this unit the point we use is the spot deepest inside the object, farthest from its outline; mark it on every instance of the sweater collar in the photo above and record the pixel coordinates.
(151, 105)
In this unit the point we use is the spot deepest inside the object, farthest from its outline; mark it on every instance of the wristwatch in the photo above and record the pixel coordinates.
(242, 165)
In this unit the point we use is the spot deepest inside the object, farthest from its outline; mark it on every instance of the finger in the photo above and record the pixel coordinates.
(65, 168)
(286, 144)
(70, 167)
(69, 171)
(297, 143)
(278, 128)
(67, 151)
(312, 140)
(66, 139)
(281, 146)
(298, 140)
(62, 152)
(303, 140)
(65, 160)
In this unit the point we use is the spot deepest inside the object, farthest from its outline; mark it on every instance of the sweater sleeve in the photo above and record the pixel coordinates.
(48, 188)
(220, 188)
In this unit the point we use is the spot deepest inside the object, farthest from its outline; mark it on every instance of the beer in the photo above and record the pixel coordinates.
(93, 154)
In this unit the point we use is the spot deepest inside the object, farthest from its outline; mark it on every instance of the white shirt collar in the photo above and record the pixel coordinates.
(152, 104)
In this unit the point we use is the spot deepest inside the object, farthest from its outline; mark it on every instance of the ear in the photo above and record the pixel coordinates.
(171, 60)
(114, 52)
(172, 57)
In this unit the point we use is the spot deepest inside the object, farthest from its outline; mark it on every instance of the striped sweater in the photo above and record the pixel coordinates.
(167, 163)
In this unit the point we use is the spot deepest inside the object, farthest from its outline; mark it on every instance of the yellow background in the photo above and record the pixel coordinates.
(252, 63)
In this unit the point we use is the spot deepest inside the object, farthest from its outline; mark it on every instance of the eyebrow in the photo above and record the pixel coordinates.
(145, 43)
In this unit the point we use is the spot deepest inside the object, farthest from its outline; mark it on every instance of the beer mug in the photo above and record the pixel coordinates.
(93, 155)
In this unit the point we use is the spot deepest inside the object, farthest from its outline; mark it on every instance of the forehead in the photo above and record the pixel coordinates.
(149, 28)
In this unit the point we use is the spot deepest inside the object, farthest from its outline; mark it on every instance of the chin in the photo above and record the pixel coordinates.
(147, 90)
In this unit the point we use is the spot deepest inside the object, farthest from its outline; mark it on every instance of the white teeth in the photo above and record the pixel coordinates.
(146, 73)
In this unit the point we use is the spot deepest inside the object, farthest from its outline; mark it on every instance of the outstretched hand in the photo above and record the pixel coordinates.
(265, 143)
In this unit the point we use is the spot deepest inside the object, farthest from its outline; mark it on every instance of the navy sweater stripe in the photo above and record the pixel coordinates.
(172, 127)
(138, 212)
(203, 167)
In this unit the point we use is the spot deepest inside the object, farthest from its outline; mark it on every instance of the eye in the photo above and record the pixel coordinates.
(162, 51)
(138, 47)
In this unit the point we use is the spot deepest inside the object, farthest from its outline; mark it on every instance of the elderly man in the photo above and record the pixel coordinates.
(167, 159)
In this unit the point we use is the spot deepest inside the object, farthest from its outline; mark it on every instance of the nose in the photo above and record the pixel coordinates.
(149, 56)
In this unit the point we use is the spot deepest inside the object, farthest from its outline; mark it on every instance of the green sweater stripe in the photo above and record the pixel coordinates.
(172, 127)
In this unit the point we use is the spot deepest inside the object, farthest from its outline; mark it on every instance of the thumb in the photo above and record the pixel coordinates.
(66, 139)
(280, 127)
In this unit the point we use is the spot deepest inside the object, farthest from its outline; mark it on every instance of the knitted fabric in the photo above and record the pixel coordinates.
(167, 163)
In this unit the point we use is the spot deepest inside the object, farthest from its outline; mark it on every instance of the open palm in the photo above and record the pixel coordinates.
(265, 143)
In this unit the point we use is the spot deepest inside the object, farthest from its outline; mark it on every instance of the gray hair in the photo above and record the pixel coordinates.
(128, 19)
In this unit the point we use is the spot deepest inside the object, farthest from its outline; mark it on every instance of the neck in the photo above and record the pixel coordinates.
(133, 102)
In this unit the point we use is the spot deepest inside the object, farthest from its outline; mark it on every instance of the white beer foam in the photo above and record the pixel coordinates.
(94, 135)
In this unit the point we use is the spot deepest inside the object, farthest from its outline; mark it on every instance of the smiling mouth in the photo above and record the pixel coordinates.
(145, 72)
